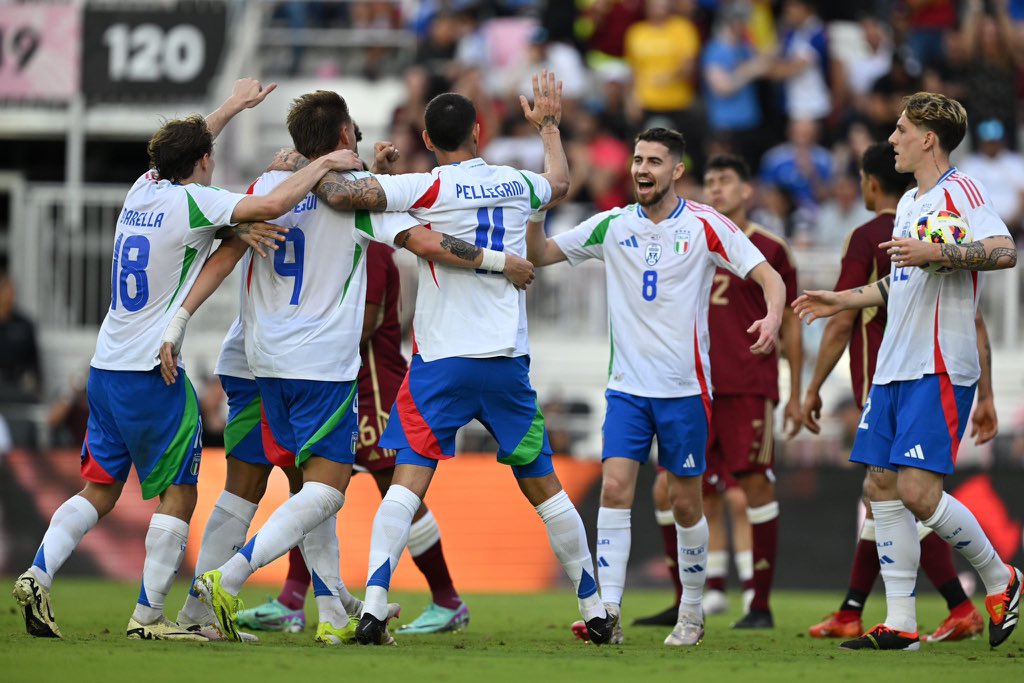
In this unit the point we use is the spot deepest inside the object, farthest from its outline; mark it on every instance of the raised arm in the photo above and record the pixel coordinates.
(540, 250)
(818, 303)
(215, 270)
(990, 253)
(246, 94)
(984, 423)
(545, 115)
(793, 349)
(833, 343)
(767, 328)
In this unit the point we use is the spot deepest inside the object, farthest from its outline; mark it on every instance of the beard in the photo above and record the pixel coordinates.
(651, 199)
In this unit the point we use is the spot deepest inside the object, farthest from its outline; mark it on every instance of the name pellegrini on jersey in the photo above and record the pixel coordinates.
(510, 189)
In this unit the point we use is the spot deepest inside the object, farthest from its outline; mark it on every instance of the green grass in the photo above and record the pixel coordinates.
(511, 638)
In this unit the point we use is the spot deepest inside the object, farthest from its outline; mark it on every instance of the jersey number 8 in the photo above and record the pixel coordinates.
(650, 285)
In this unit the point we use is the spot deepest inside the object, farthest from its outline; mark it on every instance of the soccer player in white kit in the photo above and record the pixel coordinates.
(660, 257)
(471, 346)
(302, 320)
(164, 234)
(926, 375)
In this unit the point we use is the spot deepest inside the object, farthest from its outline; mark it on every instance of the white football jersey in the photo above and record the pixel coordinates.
(930, 326)
(164, 235)
(232, 361)
(305, 305)
(659, 278)
(462, 311)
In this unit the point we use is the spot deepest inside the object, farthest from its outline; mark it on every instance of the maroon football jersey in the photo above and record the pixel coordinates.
(735, 305)
(384, 366)
(863, 263)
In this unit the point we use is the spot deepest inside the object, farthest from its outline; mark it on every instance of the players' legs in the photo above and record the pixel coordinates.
(742, 541)
(566, 533)
(165, 549)
(763, 513)
(667, 524)
(718, 551)
(226, 527)
(390, 531)
(692, 538)
(618, 486)
(296, 583)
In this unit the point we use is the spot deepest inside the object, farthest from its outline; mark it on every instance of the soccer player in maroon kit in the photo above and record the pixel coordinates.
(746, 386)
(863, 263)
(380, 377)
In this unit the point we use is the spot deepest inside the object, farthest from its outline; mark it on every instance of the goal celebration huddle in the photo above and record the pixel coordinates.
(702, 302)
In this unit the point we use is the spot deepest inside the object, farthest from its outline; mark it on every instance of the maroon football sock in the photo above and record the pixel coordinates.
(293, 593)
(668, 537)
(766, 543)
(435, 570)
(863, 573)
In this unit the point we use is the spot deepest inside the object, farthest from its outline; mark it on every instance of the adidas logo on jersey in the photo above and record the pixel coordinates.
(915, 453)
(689, 462)
(631, 242)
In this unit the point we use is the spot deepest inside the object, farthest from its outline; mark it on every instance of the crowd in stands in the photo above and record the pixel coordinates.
(798, 87)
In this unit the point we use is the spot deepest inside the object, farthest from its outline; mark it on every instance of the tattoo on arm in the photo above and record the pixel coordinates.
(974, 256)
(883, 287)
(464, 250)
(242, 229)
(405, 239)
(298, 161)
(548, 120)
(347, 195)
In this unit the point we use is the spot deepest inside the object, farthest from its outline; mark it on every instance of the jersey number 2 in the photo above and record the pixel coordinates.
(131, 256)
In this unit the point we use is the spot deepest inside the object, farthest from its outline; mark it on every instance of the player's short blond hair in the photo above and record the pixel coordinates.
(942, 115)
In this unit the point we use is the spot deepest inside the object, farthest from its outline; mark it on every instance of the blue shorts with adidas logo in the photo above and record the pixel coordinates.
(916, 423)
(681, 424)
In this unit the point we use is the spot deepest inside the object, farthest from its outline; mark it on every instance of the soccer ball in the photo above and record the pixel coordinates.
(941, 227)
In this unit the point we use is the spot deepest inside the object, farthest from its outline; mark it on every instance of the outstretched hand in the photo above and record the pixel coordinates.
(248, 92)
(816, 303)
(767, 331)
(547, 101)
(259, 235)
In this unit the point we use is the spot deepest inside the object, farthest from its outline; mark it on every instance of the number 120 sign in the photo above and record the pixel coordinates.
(39, 51)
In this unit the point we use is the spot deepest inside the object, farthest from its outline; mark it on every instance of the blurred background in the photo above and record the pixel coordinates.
(798, 88)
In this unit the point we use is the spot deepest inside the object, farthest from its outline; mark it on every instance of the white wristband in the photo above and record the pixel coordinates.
(538, 216)
(175, 330)
(493, 260)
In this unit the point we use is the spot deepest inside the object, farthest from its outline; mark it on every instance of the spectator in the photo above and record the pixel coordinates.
(543, 53)
(803, 68)
(866, 52)
(994, 59)
(604, 25)
(20, 375)
(663, 50)
(799, 166)
(69, 413)
(599, 162)
(1000, 171)
(730, 66)
(840, 214)
(518, 145)
(927, 23)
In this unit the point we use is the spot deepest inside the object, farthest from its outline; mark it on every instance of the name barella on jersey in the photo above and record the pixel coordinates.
(461, 311)
(659, 277)
(305, 305)
(930, 327)
(165, 232)
(232, 361)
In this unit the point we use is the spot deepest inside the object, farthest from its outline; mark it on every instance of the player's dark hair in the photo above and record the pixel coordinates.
(726, 162)
(175, 149)
(449, 120)
(315, 121)
(879, 162)
(672, 139)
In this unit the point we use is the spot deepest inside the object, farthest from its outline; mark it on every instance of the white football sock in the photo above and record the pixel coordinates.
(693, 559)
(69, 524)
(613, 540)
(423, 534)
(165, 548)
(223, 537)
(568, 540)
(284, 530)
(744, 565)
(718, 564)
(320, 550)
(387, 541)
(955, 524)
(899, 553)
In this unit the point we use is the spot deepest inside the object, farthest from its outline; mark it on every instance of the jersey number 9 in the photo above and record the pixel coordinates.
(295, 242)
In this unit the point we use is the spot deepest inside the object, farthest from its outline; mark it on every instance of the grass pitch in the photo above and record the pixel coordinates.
(510, 638)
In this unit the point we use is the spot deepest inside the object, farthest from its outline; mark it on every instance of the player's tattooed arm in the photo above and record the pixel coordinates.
(459, 248)
(346, 195)
(288, 160)
(992, 253)
(883, 288)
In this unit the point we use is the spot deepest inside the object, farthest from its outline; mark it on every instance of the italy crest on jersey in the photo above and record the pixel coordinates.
(682, 241)
(653, 254)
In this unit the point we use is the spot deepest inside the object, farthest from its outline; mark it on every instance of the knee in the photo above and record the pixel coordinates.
(757, 488)
(616, 493)
(919, 499)
(687, 506)
(103, 497)
(179, 501)
(879, 486)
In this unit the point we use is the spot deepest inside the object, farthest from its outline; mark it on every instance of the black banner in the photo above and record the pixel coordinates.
(150, 53)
